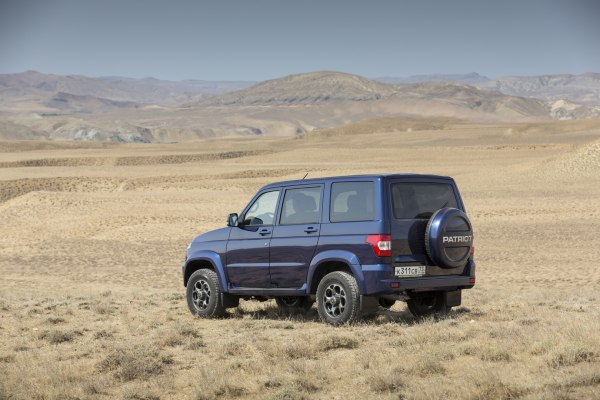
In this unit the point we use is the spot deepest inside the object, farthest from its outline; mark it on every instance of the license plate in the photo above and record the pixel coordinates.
(410, 270)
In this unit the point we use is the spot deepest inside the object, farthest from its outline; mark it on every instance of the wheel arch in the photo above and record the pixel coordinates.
(330, 261)
(209, 260)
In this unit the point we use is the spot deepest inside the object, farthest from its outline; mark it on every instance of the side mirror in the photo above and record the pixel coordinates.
(232, 219)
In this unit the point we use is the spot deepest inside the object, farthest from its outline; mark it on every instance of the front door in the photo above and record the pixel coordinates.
(248, 246)
(296, 235)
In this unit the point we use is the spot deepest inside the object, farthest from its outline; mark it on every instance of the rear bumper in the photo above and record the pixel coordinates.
(379, 280)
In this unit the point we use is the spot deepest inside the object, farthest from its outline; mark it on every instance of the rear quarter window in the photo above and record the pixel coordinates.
(352, 201)
(421, 200)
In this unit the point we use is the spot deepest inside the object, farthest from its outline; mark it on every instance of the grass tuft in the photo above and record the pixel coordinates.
(494, 353)
(56, 320)
(498, 390)
(137, 362)
(337, 342)
(384, 381)
(57, 337)
(571, 356)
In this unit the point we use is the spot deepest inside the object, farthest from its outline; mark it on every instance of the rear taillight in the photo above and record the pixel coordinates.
(382, 244)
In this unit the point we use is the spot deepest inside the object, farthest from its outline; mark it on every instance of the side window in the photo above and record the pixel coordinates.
(352, 201)
(262, 211)
(301, 206)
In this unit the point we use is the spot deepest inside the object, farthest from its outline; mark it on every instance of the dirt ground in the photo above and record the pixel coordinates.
(93, 236)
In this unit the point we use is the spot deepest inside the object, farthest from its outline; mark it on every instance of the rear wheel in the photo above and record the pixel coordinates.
(204, 294)
(338, 298)
(386, 303)
(427, 304)
(294, 303)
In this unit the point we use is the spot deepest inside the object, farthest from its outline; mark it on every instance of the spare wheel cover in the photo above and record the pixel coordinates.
(449, 238)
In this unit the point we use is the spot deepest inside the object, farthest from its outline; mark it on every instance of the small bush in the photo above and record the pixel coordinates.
(289, 394)
(429, 367)
(7, 358)
(571, 356)
(104, 309)
(338, 342)
(138, 362)
(170, 339)
(306, 384)
(388, 381)
(301, 349)
(57, 337)
(55, 320)
(195, 344)
(135, 395)
(494, 354)
(102, 334)
(543, 347)
(188, 331)
(498, 390)
(229, 390)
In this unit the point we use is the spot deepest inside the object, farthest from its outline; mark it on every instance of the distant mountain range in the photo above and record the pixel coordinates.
(468, 79)
(35, 105)
(143, 91)
(584, 88)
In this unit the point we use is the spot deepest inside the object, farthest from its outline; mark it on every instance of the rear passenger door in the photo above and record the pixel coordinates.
(295, 236)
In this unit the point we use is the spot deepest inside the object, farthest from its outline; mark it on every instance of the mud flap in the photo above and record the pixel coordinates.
(368, 305)
(452, 298)
(229, 301)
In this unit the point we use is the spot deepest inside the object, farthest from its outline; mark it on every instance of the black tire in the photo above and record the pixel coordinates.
(386, 303)
(291, 303)
(338, 298)
(428, 304)
(204, 294)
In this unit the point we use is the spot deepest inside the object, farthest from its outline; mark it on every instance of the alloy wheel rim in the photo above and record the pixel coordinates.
(334, 299)
(201, 295)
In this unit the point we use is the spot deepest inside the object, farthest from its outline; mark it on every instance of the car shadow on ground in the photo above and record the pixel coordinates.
(381, 317)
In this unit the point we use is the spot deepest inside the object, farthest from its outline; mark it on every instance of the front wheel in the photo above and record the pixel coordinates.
(204, 294)
(428, 304)
(294, 303)
(338, 298)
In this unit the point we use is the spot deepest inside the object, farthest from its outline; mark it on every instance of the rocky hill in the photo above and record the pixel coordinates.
(309, 88)
(335, 87)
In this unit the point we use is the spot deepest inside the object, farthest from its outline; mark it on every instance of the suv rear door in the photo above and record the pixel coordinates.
(295, 235)
(412, 202)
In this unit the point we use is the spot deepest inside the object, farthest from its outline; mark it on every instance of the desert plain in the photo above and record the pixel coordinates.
(93, 236)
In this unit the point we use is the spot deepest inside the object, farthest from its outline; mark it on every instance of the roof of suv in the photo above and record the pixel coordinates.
(352, 177)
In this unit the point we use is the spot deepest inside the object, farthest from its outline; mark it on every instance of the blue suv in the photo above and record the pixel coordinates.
(351, 243)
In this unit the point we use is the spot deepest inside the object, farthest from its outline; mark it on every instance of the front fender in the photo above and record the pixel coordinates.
(343, 256)
(214, 259)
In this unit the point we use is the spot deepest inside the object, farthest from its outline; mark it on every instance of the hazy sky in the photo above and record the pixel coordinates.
(256, 40)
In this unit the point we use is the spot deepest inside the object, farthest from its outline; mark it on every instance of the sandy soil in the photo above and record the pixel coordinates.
(93, 236)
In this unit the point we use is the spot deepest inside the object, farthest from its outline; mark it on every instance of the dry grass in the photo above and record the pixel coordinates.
(92, 306)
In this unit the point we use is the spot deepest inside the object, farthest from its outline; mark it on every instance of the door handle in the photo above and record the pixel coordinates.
(311, 229)
(264, 231)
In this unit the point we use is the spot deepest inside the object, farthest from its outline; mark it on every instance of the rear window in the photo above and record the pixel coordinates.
(352, 201)
(421, 200)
